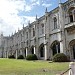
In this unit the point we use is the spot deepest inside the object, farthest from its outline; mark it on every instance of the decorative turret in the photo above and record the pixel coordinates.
(12, 33)
(37, 20)
(15, 31)
(36, 17)
(18, 28)
(29, 23)
(1, 33)
(59, 1)
(9, 35)
(23, 26)
(46, 10)
(46, 14)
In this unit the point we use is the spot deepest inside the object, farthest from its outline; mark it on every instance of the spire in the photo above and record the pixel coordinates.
(15, 31)
(1, 33)
(9, 35)
(18, 29)
(29, 22)
(23, 26)
(59, 1)
(12, 33)
(36, 17)
(46, 10)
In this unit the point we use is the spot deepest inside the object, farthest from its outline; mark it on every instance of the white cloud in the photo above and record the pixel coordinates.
(46, 5)
(9, 10)
(28, 18)
(35, 2)
(38, 2)
(28, 8)
(9, 18)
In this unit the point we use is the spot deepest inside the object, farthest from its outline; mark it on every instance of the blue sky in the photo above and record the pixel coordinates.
(15, 13)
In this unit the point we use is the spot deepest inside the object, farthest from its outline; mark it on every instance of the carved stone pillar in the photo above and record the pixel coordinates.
(34, 50)
(16, 54)
(45, 47)
(26, 51)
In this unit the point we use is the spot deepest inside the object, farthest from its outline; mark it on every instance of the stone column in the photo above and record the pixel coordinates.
(26, 51)
(7, 55)
(21, 51)
(16, 54)
(73, 17)
(45, 47)
(61, 47)
(34, 50)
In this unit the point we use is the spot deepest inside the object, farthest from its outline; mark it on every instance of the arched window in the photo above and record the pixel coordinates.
(42, 50)
(33, 32)
(55, 47)
(42, 27)
(71, 18)
(74, 51)
(71, 13)
(32, 50)
(26, 35)
(55, 22)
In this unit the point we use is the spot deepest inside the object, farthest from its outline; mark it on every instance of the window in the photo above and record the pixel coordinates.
(21, 37)
(55, 23)
(32, 50)
(71, 18)
(27, 34)
(42, 50)
(23, 32)
(33, 32)
(42, 25)
(27, 42)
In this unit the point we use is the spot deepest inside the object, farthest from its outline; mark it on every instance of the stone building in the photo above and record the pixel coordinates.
(50, 34)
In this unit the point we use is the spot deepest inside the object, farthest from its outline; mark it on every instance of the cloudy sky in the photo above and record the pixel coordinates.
(15, 13)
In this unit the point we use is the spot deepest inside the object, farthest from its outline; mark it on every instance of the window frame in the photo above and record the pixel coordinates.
(55, 22)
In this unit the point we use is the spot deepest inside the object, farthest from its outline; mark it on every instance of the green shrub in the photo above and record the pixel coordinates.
(11, 56)
(60, 57)
(31, 57)
(20, 57)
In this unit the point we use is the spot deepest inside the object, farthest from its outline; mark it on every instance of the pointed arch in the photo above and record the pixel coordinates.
(72, 48)
(55, 22)
(41, 50)
(55, 46)
(32, 49)
(71, 13)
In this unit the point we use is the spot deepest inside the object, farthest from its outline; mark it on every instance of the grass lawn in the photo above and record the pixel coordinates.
(23, 67)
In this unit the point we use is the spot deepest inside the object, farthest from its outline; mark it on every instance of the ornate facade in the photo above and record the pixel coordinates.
(50, 34)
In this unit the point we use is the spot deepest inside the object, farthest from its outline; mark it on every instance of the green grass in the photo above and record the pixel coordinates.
(23, 67)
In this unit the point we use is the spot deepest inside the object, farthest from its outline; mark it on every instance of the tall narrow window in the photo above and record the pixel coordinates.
(42, 25)
(21, 37)
(27, 34)
(71, 18)
(33, 32)
(55, 23)
(74, 15)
